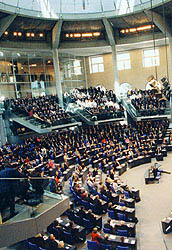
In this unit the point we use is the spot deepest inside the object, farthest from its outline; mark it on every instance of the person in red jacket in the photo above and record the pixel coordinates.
(95, 236)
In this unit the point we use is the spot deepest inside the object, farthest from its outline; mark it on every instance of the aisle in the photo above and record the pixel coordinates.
(155, 204)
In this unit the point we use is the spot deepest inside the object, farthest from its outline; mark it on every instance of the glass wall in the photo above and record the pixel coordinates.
(31, 74)
(26, 74)
(72, 71)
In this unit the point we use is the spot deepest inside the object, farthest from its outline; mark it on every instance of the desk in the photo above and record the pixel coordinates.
(167, 223)
(129, 202)
(68, 172)
(131, 226)
(138, 161)
(128, 241)
(129, 212)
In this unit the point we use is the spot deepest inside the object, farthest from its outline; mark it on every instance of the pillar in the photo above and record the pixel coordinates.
(2, 131)
(57, 76)
(115, 69)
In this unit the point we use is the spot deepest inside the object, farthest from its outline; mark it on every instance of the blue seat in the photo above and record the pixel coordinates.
(122, 232)
(104, 247)
(111, 214)
(121, 216)
(40, 248)
(68, 238)
(87, 224)
(126, 193)
(25, 244)
(92, 245)
(107, 231)
(122, 248)
(121, 203)
(33, 246)
(77, 220)
(86, 204)
(93, 208)
(105, 198)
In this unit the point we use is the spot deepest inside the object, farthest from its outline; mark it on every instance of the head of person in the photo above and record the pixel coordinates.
(95, 230)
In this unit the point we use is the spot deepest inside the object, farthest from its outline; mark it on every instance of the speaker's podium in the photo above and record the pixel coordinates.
(31, 220)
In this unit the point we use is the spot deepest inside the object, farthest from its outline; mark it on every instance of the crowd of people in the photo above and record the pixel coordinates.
(42, 108)
(149, 102)
(98, 101)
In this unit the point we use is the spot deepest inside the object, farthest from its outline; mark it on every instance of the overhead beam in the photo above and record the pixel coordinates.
(56, 34)
(159, 22)
(109, 31)
(5, 23)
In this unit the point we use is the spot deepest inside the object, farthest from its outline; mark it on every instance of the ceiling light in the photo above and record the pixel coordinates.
(87, 34)
(6, 33)
(32, 34)
(28, 34)
(41, 35)
(19, 34)
(15, 33)
(96, 34)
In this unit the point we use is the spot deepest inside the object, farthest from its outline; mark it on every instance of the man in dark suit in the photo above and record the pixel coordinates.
(108, 226)
(9, 188)
(51, 243)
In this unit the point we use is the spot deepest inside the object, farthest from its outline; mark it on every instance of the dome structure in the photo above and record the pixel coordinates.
(77, 9)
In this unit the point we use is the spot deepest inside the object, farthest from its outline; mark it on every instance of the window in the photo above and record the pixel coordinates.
(96, 64)
(151, 58)
(123, 61)
(77, 67)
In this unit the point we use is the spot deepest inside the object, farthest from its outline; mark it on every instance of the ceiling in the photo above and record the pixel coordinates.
(71, 9)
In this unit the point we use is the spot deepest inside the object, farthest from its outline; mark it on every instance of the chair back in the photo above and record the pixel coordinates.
(68, 237)
(92, 245)
(122, 232)
(121, 216)
(121, 203)
(33, 246)
(107, 230)
(126, 193)
(111, 214)
(85, 204)
(122, 248)
(105, 198)
(87, 224)
(104, 247)
(77, 220)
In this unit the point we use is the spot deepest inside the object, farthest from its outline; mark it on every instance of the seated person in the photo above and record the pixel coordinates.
(38, 240)
(95, 236)
(51, 243)
(108, 225)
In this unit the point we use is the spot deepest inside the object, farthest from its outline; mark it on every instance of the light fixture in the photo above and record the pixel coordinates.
(15, 33)
(32, 34)
(87, 34)
(96, 34)
(41, 35)
(6, 33)
(19, 34)
(28, 34)
(135, 29)
(49, 61)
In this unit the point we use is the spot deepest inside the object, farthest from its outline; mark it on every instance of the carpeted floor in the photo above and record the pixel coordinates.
(155, 204)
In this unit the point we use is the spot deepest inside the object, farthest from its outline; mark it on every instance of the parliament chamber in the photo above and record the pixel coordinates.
(85, 124)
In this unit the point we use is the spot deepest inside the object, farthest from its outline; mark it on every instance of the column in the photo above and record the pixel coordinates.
(2, 130)
(115, 69)
(57, 76)
(170, 68)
